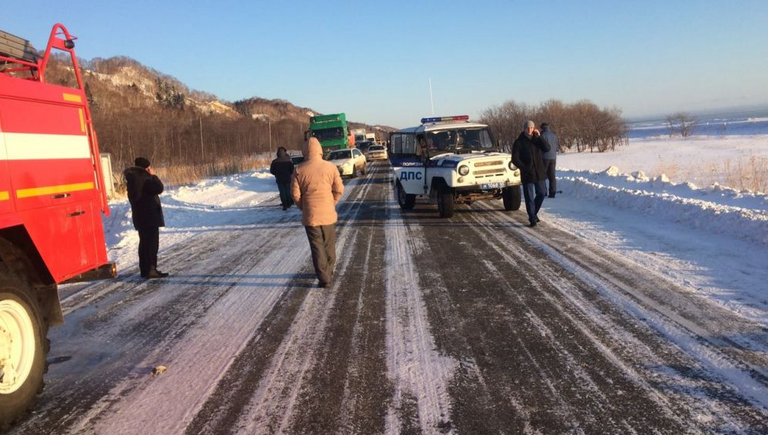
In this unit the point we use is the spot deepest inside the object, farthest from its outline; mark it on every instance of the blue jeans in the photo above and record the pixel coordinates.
(533, 203)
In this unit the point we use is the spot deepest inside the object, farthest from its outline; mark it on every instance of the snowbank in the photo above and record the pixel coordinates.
(714, 209)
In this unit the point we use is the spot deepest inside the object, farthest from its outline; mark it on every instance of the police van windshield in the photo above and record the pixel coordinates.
(328, 134)
(460, 139)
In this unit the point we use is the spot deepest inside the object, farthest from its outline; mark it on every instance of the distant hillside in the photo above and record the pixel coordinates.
(140, 111)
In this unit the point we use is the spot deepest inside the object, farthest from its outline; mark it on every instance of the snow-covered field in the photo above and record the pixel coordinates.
(709, 238)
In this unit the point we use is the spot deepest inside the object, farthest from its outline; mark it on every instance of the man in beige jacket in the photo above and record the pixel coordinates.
(316, 188)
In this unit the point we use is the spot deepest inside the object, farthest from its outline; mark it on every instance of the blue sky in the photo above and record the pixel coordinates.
(373, 60)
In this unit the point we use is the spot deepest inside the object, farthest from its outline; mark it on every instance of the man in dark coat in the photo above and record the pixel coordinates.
(143, 190)
(527, 155)
(282, 169)
(550, 157)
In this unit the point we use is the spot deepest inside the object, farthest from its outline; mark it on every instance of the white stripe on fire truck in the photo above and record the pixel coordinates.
(52, 190)
(3, 155)
(27, 146)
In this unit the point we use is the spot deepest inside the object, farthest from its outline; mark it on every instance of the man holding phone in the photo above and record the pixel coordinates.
(144, 188)
(527, 155)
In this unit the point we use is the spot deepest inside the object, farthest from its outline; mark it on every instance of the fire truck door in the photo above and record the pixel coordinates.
(63, 245)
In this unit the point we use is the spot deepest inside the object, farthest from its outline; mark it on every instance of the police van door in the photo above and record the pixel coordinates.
(407, 166)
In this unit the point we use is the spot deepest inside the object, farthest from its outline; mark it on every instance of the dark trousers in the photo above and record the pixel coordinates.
(285, 194)
(533, 203)
(550, 166)
(149, 243)
(322, 243)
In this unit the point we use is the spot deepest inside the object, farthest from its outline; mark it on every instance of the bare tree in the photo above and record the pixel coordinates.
(681, 123)
(582, 125)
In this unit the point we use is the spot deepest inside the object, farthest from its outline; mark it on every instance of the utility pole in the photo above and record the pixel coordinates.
(431, 101)
(202, 146)
(269, 125)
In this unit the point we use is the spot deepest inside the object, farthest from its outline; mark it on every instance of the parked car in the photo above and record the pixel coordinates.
(376, 152)
(297, 160)
(349, 161)
(363, 145)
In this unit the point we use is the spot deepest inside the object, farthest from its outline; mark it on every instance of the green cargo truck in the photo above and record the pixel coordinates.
(330, 130)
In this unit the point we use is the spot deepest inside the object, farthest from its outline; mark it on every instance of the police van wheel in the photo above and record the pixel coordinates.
(22, 350)
(445, 204)
(511, 197)
(405, 200)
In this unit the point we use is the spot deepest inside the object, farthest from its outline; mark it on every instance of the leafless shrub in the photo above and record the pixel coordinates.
(681, 123)
(747, 173)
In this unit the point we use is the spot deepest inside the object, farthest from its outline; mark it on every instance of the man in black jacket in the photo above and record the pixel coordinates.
(143, 190)
(527, 155)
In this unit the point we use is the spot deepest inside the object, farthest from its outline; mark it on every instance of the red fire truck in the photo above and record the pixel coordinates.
(51, 201)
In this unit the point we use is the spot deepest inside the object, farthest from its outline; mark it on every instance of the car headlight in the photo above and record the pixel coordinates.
(511, 166)
(463, 170)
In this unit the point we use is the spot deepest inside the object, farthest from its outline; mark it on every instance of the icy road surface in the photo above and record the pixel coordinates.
(471, 325)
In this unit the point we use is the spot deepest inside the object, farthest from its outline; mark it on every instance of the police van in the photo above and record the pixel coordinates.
(452, 161)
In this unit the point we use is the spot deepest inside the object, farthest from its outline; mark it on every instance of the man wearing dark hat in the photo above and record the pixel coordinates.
(143, 190)
(527, 155)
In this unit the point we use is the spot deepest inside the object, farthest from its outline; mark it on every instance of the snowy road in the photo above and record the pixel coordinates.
(471, 325)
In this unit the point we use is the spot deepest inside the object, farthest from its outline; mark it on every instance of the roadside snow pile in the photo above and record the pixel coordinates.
(227, 200)
(738, 214)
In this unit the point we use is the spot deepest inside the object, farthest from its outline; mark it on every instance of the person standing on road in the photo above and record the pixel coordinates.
(527, 155)
(550, 157)
(282, 169)
(316, 188)
(144, 188)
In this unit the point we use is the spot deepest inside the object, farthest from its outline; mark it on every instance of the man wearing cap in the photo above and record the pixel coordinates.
(527, 155)
(143, 190)
(550, 157)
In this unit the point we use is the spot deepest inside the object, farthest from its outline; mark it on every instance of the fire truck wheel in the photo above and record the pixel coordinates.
(445, 203)
(511, 197)
(404, 200)
(22, 350)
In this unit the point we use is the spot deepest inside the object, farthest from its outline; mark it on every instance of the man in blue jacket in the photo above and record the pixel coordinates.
(527, 155)
(143, 190)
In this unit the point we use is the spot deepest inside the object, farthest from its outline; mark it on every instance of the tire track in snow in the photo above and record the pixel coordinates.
(680, 375)
(343, 369)
(419, 373)
(487, 312)
(261, 396)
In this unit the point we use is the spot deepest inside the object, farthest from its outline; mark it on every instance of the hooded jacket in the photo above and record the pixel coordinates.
(143, 191)
(316, 187)
(527, 155)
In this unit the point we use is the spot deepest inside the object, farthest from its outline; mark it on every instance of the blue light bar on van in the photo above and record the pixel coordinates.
(445, 118)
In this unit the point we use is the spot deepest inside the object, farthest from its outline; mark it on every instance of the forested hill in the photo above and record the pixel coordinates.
(140, 111)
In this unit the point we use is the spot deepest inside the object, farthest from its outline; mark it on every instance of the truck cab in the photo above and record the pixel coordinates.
(452, 161)
(331, 130)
